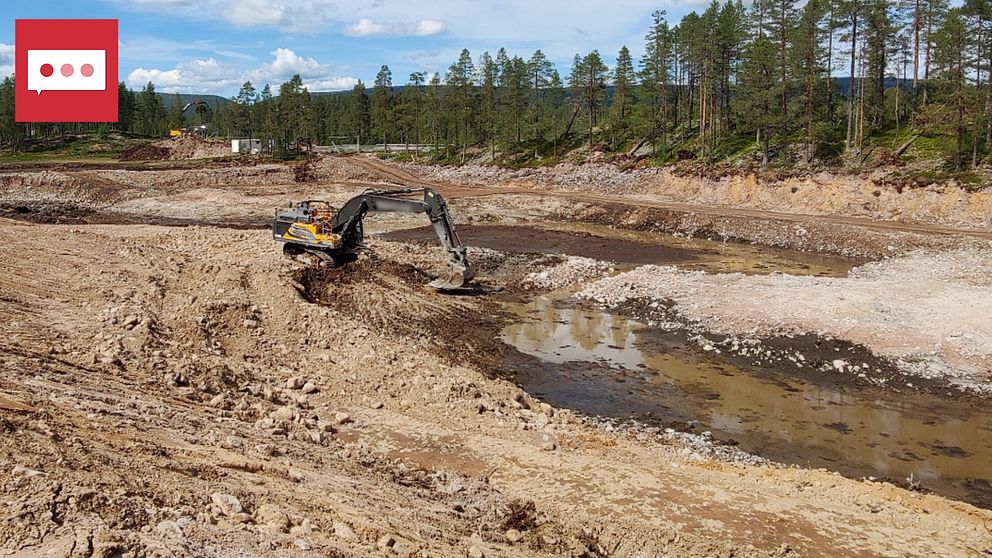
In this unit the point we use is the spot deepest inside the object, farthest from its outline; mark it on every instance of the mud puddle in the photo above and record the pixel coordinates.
(633, 248)
(607, 365)
(592, 361)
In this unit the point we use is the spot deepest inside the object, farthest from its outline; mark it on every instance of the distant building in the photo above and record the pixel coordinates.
(243, 145)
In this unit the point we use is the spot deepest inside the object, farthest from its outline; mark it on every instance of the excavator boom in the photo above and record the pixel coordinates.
(313, 227)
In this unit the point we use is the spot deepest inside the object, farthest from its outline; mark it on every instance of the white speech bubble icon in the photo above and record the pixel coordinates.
(67, 70)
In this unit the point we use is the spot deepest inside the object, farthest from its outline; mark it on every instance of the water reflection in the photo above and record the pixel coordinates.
(605, 364)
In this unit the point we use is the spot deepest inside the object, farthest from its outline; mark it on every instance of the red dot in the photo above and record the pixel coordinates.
(67, 70)
(86, 70)
(47, 70)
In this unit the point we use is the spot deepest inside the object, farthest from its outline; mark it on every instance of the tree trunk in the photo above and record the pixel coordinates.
(850, 85)
(830, 64)
(902, 148)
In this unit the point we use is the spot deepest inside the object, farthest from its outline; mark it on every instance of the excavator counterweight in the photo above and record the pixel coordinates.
(314, 232)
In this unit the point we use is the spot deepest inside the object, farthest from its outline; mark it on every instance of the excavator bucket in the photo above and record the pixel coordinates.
(457, 277)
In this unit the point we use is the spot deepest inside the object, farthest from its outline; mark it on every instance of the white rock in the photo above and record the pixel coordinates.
(20, 470)
(343, 531)
(273, 517)
(229, 505)
(294, 383)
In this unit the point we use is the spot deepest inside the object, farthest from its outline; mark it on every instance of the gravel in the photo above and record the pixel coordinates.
(572, 271)
(887, 306)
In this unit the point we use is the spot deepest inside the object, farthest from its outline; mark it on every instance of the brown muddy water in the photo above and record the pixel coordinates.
(630, 248)
(594, 362)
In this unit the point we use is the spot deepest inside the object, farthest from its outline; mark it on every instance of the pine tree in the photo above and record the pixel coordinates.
(125, 108)
(759, 96)
(488, 115)
(539, 70)
(434, 112)
(460, 80)
(978, 14)
(514, 85)
(808, 59)
(266, 118)
(593, 79)
(950, 54)
(245, 99)
(624, 80)
(416, 95)
(656, 68)
(555, 91)
(359, 120)
(933, 14)
(381, 105)
(879, 47)
(293, 108)
(150, 112)
(11, 132)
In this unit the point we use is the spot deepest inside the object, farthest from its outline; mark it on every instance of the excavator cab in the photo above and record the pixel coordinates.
(312, 231)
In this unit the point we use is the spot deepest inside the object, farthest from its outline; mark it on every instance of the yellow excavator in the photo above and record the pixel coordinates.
(200, 130)
(313, 232)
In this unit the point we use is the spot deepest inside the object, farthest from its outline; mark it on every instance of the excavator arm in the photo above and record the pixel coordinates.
(307, 227)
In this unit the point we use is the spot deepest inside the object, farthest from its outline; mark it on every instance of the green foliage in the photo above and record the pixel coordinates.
(726, 84)
(381, 106)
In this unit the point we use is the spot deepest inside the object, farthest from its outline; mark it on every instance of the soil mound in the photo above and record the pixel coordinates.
(145, 152)
(176, 149)
(393, 297)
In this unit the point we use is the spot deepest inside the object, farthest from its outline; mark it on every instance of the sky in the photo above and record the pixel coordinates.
(213, 46)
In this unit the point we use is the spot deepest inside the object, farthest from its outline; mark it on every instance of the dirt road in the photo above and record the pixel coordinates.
(400, 176)
(186, 391)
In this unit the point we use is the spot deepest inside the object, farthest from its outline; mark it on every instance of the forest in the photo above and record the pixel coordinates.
(761, 84)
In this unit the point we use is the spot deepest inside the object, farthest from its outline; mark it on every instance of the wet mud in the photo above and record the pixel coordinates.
(532, 240)
(633, 248)
(64, 213)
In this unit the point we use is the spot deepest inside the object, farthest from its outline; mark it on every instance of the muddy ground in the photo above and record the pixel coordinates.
(187, 391)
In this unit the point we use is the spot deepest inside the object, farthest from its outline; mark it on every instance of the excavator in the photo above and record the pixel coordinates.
(312, 232)
(200, 130)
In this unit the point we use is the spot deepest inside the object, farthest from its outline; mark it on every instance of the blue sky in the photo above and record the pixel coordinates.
(212, 46)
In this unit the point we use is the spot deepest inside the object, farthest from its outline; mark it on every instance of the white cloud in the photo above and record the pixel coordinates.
(210, 76)
(235, 54)
(508, 22)
(335, 84)
(190, 76)
(6, 60)
(251, 13)
(428, 27)
(561, 28)
(366, 27)
(285, 63)
(298, 16)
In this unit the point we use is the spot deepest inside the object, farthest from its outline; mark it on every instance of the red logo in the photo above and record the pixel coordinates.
(66, 70)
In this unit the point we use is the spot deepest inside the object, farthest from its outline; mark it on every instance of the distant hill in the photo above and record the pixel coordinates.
(214, 101)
